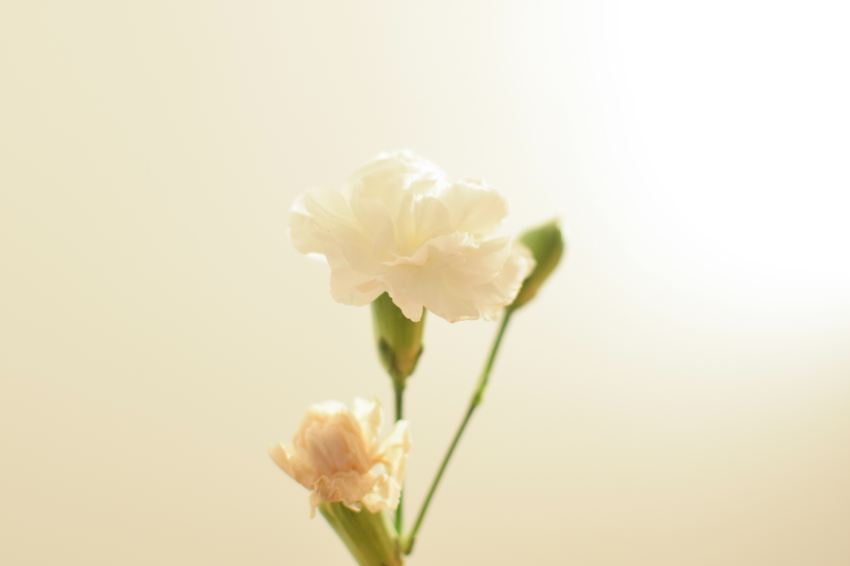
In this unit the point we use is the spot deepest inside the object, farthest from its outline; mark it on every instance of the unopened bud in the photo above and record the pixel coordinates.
(399, 339)
(546, 244)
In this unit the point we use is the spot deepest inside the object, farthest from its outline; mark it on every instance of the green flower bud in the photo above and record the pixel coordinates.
(546, 244)
(398, 338)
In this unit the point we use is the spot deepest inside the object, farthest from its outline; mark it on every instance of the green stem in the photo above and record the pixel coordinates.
(398, 388)
(368, 536)
(399, 342)
(477, 397)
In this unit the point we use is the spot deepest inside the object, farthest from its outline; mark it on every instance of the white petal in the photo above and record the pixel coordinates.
(352, 287)
(401, 227)
(431, 219)
(319, 220)
(519, 265)
(474, 207)
(404, 294)
(390, 174)
(323, 223)
(457, 278)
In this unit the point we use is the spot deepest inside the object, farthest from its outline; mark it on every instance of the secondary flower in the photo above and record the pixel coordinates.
(337, 456)
(400, 226)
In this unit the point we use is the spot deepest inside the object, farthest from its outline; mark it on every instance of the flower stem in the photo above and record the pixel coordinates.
(398, 388)
(368, 536)
(475, 400)
(399, 343)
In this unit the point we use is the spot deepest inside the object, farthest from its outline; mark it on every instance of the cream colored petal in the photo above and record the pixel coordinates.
(326, 222)
(320, 219)
(390, 174)
(519, 265)
(385, 493)
(391, 203)
(330, 441)
(338, 458)
(376, 223)
(371, 418)
(430, 219)
(322, 223)
(474, 207)
(282, 458)
(346, 487)
(294, 466)
(315, 501)
(327, 408)
(403, 292)
(352, 287)
(457, 278)
(395, 450)
(307, 236)
(402, 228)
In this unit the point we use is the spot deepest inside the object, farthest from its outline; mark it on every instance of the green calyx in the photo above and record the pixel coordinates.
(369, 537)
(546, 243)
(399, 339)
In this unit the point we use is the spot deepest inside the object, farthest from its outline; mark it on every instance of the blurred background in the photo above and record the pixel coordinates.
(679, 394)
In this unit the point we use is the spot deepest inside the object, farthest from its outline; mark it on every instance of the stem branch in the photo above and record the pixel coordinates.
(398, 388)
(475, 400)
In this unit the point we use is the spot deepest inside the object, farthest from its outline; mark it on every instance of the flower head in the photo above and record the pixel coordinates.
(337, 456)
(402, 227)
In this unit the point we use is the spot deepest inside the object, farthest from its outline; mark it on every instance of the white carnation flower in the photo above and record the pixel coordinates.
(337, 455)
(401, 227)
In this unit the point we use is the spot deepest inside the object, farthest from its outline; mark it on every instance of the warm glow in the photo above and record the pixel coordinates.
(677, 395)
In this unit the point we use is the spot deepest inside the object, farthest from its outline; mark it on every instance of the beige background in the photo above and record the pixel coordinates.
(678, 395)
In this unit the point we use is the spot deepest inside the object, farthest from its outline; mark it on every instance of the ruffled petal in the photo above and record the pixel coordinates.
(391, 174)
(474, 207)
(431, 219)
(458, 278)
(404, 296)
(346, 487)
(390, 470)
(331, 442)
(319, 220)
(395, 450)
(351, 287)
(282, 458)
(337, 456)
(401, 227)
(385, 493)
(506, 286)
(371, 418)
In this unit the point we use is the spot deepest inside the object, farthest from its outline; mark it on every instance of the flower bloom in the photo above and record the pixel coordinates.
(401, 227)
(338, 457)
